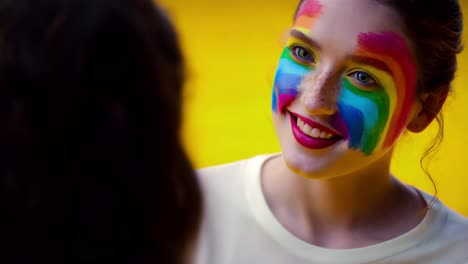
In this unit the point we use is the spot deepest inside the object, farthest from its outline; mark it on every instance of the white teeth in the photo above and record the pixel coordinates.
(323, 134)
(312, 132)
(300, 123)
(315, 133)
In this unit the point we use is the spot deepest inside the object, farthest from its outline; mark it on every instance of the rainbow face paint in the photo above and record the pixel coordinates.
(365, 113)
(376, 118)
(344, 88)
(307, 14)
(288, 76)
(290, 72)
(392, 48)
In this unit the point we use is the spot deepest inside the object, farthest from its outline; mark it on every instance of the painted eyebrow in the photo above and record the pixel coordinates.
(298, 34)
(376, 63)
(371, 62)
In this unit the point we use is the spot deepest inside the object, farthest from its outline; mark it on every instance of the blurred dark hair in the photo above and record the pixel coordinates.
(91, 166)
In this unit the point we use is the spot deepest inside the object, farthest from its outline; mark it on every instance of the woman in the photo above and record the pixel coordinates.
(91, 166)
(353, 76)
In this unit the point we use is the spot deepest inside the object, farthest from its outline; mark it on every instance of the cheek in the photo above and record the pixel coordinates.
(288, 77)
(392, 48)
(285, 90)
(366, 115)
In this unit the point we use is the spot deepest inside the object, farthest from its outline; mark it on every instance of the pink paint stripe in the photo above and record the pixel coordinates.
(310, 8)
(284, 100)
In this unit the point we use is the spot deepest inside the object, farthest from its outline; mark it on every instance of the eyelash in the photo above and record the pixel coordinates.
(355, 80)
(295, 47)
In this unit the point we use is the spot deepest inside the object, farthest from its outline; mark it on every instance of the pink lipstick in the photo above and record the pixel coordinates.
(311, 134)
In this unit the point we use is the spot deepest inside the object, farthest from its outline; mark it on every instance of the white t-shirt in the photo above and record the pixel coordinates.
(239, 228)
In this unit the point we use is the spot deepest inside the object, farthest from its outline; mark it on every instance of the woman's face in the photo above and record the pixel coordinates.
(344, 88)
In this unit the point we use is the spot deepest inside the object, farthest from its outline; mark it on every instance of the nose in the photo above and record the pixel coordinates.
(319, 93)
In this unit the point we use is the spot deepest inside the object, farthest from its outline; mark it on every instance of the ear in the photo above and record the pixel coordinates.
(431, 104)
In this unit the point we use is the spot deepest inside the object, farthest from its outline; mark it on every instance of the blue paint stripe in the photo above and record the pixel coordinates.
(347, 97)
(288, 83)
(289, 66)
(355, 123)
(274, 101)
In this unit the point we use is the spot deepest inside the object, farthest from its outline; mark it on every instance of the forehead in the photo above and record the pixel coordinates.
(338, 23)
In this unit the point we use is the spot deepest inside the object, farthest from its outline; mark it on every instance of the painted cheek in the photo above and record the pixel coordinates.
(393, 49)
(288, 77)
(290, 73)
(366, 114)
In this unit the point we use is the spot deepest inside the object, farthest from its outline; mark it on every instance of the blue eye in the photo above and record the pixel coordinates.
(303, 54)
(363, 78)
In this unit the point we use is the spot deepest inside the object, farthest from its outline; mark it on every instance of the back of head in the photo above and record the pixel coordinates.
(91, 167)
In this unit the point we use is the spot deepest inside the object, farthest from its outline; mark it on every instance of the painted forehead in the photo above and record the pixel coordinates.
(309, 8)
(307, 14)
(389, 45)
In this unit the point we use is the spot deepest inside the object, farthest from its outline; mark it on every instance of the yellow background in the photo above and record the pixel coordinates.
(231, 48)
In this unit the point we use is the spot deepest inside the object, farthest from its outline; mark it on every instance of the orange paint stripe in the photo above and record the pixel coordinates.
(305, 22)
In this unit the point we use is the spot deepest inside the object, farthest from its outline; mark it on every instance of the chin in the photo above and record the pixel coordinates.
(311, 172)
(321, 166)
(311, 167)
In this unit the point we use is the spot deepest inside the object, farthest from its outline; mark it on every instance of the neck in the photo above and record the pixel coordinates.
(344, 203)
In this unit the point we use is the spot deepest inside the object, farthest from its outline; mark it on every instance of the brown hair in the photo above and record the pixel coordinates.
(91, 166)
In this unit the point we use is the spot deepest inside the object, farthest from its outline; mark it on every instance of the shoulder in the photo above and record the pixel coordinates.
(227, 211)
(216, 180)
(454, 236)
(453, 228)
(224, 186)
(456, 225)
(443, 234)
(226, 182)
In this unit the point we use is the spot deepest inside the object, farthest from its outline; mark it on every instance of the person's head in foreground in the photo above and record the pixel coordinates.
(91, 166)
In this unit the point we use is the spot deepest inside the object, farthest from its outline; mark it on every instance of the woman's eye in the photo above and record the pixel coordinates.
(303, 54)
(363, 78)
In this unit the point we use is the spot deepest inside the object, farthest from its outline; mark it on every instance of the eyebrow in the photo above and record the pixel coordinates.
(371, 62)
(298, 34)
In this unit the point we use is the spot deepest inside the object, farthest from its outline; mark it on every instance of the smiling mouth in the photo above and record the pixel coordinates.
(313, 129)
(311, 134)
